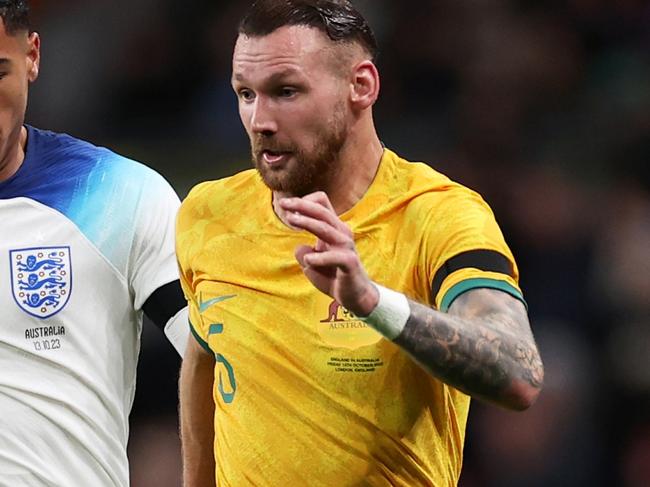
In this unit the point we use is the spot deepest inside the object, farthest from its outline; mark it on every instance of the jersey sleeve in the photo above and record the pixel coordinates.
(152, 262)
(466, 250)
(195, 321)
(188, 242)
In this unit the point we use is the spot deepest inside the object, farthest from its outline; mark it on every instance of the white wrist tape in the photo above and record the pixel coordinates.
(177, 330)
(391, 313)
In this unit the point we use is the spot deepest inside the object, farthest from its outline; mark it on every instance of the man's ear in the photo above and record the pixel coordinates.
(364, 86)
(33, 55)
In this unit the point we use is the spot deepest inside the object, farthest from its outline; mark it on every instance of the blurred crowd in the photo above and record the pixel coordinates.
(541, 106)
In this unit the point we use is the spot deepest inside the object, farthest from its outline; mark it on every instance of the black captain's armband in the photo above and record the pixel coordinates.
(164, 303)
(485, 260)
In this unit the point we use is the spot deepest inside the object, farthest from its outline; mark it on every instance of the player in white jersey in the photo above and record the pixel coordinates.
(86, 246)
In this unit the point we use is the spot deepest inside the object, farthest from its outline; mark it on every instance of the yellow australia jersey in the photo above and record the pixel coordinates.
(305, 393)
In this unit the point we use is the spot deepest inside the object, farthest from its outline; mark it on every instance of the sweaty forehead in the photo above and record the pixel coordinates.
(294, 45)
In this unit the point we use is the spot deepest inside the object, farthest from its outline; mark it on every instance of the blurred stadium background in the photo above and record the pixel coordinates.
(542, 106)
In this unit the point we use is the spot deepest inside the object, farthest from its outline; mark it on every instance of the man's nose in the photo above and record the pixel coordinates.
(263, 120)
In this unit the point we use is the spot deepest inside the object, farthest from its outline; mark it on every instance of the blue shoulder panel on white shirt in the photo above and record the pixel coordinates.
(98, 190)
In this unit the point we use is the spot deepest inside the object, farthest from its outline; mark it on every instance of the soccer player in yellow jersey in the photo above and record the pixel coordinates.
(345, 303)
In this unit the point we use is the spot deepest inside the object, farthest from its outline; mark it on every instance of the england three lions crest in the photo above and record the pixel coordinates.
(41, 279)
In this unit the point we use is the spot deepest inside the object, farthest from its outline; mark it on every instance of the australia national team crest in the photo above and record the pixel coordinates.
(341, 328)
(41, 279)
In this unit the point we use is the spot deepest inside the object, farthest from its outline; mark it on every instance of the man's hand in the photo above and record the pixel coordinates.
(332, 265)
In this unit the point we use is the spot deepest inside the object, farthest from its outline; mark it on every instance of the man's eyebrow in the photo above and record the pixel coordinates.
(275, 77)
(4, 60)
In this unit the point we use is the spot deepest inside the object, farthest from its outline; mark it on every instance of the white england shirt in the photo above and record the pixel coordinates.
(85, 237)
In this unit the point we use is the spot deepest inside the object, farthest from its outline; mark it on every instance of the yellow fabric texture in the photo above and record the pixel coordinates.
(305, 393)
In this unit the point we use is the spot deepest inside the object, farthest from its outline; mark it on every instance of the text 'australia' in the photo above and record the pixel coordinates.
(44, 331)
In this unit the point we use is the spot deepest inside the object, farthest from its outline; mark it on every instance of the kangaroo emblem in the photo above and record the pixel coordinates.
(333, 313)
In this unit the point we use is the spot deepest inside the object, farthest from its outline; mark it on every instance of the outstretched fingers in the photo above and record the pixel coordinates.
(332, 264)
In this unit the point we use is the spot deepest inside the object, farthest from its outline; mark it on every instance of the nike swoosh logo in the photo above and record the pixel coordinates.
(203, 306)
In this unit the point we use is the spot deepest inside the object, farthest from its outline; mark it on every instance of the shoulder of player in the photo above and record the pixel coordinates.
(429, 190)
(225, 192)
(63, 149)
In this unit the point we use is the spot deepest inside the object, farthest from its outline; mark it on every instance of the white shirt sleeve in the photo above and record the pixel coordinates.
(152, 262)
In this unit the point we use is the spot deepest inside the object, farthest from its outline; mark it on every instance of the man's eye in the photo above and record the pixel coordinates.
(287, 92)
(246, 95)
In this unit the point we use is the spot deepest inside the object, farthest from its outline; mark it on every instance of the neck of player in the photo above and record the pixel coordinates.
(14, 154)
(359, 162)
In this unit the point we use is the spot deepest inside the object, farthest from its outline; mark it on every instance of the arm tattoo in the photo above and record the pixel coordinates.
(483, 347)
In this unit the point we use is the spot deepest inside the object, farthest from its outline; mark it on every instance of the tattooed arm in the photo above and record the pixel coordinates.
(483, 347)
